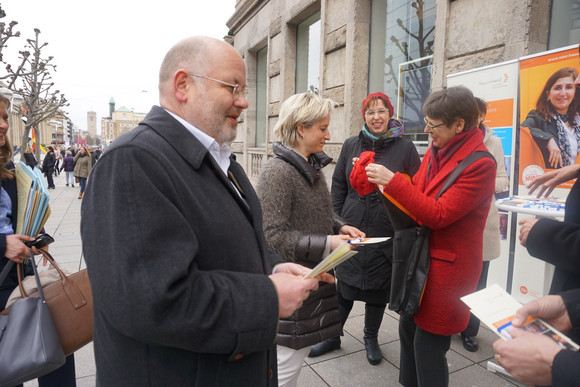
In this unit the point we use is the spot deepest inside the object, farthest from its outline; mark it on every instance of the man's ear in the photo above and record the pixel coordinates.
(181, 86)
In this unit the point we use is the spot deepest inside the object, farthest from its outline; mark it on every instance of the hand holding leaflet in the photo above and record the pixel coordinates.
(335, 258)
(496, 308)
(367, 241)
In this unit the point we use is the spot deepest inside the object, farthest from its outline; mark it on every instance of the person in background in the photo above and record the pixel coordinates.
(58, 158)
(555, 123)
(29, 158)
(48, 167)
(68, 164)
(93, 156)
(457, 220)
(12, 246)
(491, 247)
(299, 223)
(367, 276)
(82, 168)
(535, 359)
(184, 292)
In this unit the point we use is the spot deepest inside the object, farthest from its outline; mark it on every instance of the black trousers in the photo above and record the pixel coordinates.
(423, 361)
(49, 180)
(473, 325)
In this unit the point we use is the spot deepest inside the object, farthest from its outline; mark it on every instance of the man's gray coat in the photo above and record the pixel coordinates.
(178, 265)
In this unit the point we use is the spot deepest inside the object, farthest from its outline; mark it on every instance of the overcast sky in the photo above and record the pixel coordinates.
(106, 48)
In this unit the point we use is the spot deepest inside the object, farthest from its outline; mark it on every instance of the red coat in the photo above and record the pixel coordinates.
(457, 220)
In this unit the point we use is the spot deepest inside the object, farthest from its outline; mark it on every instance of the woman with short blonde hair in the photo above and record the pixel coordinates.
(304, 109)
(299, 223)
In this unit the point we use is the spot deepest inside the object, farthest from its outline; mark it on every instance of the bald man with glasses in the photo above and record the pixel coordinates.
(182, 281)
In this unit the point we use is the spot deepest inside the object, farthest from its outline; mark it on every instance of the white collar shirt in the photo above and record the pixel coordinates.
(220, 153)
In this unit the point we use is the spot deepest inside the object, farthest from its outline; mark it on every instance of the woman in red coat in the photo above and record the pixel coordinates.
(457, 220)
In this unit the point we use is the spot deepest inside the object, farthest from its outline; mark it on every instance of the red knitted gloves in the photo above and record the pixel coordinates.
(358, 177)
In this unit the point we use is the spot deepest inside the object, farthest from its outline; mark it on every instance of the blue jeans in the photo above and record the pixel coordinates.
(72, 177)
(83, 183)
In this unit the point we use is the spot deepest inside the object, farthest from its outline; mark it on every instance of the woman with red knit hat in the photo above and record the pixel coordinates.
(367, 276)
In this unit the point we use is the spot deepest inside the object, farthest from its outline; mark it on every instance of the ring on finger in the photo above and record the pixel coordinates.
(375, 170)
(497, 359)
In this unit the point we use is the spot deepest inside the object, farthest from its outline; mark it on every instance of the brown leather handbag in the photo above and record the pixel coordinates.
(70, 302)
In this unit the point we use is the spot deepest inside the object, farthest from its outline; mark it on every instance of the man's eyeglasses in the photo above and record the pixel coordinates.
(432, 126)
(381, 112)
(236, 89)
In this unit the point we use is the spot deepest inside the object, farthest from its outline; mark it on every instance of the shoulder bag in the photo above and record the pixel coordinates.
(70, 302)
(411, 256)
(29, 343)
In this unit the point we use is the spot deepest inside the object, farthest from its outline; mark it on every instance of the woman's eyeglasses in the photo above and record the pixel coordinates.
(381, 112)
(430, 125)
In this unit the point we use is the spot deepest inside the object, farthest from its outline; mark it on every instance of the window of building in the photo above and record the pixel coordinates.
(401, 56)
(564, 23)
(261, 96)
(308, 54)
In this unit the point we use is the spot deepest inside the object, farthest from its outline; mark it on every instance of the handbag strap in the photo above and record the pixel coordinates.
(6, 270)
(36, 276)
(466, 162)
(9, 265)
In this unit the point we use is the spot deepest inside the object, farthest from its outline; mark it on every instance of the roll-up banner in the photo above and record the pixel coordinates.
(542, 89)
(497, 85)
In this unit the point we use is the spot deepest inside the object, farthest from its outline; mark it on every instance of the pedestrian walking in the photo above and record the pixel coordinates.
(82, 168)
(68, 164)
(58, 157)
(48, 167)
(29, 158)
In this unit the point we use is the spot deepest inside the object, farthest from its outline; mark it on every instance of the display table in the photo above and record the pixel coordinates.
(531, 277)
(553, 208)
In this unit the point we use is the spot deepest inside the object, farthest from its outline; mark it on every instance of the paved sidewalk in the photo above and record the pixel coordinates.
(345, 367)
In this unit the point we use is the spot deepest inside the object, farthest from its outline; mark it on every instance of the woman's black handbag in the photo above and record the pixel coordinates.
(29, 343)
(411, 249)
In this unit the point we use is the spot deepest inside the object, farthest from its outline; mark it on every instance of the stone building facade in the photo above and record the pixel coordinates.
(121, 121)
(345, 49)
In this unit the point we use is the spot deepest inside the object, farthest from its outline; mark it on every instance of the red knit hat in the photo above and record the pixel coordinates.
(359, 180)
(384, 98)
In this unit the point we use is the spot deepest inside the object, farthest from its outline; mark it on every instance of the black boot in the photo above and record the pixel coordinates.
(373, 319)
(325, 347)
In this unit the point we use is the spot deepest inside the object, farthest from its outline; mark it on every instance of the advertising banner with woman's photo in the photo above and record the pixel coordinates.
(549, 138)
(550, 123)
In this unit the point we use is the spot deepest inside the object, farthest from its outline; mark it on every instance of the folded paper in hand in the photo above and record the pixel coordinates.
(496, 308)
(338, 256)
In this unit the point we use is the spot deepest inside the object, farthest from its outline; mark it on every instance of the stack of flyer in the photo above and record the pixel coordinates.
(496, 308)
(33, 198)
